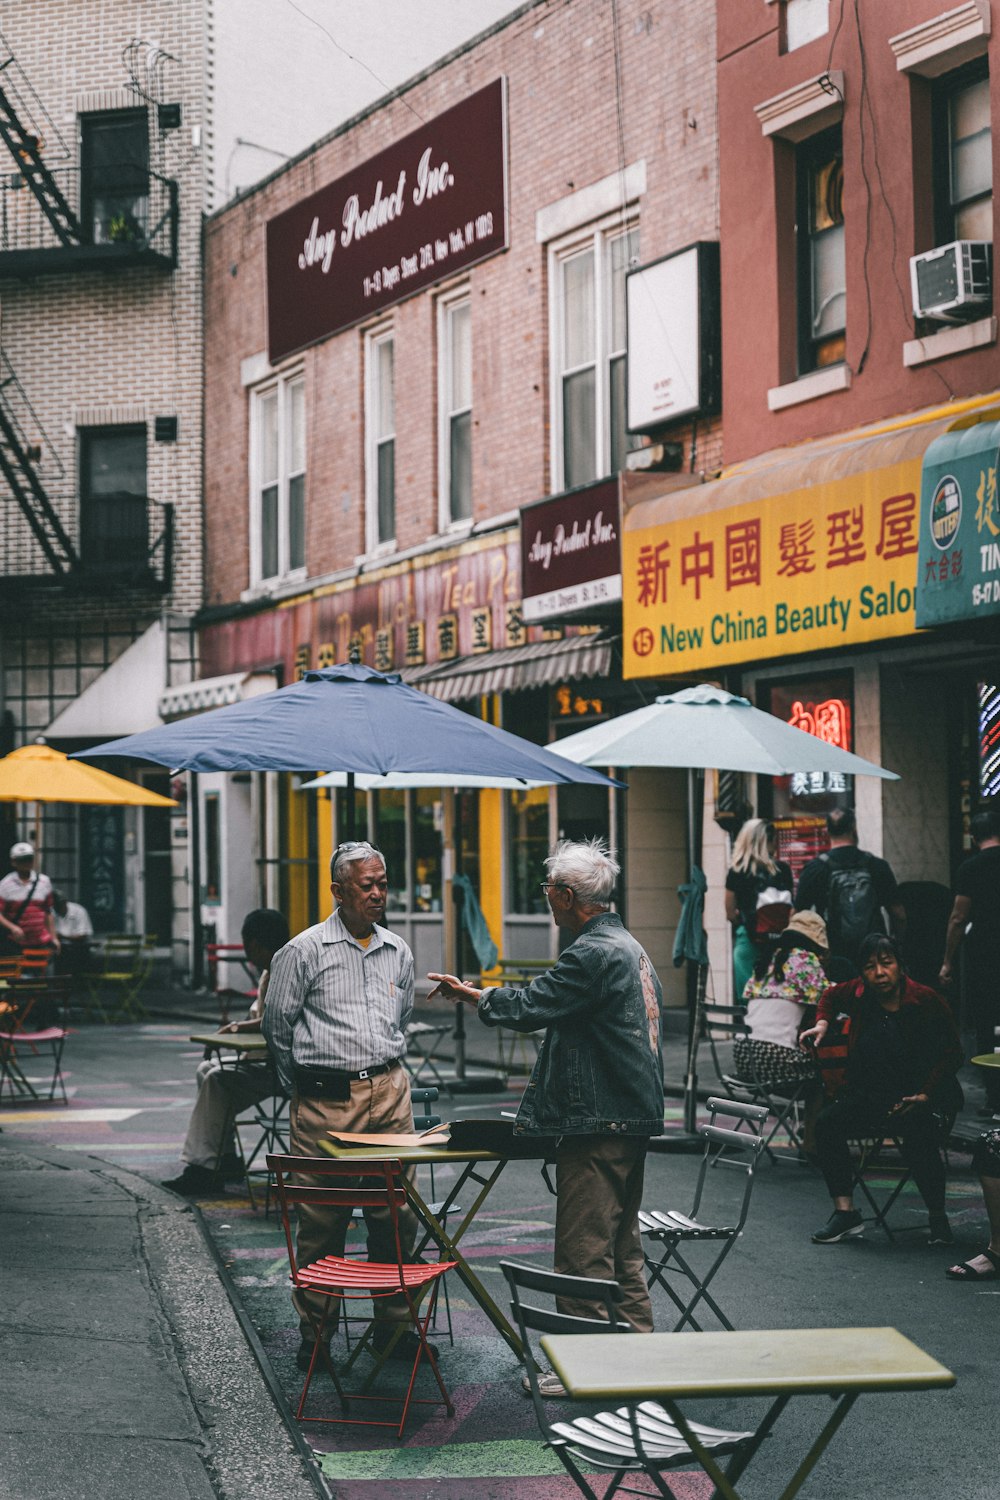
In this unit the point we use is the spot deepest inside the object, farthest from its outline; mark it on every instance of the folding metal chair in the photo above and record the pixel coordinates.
(338, 1277)
(875, 1172)
(737, 1150)
(424, 1039)
(218, 955)
(631, 1440)
(727, 1024)
(124, 970)
(425, 1121)
(32, 1020)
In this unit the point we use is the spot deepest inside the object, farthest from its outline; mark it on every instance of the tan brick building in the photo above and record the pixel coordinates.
(104, 132)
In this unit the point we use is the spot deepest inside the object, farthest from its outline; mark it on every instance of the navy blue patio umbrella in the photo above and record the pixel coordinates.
(346, 718)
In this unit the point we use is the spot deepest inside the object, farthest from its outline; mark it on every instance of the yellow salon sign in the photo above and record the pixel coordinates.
(814, 568)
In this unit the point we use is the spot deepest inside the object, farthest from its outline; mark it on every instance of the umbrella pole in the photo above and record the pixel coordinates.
(696, 974)
(350, 814)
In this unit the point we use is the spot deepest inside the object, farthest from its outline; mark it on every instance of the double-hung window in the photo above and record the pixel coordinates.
(963, 145)
(380, 445)
(278, 466)
(588, 340)
(455, 407)
(822, 275)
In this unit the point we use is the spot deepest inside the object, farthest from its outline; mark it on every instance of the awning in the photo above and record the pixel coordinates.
(802, 549)
(123, 699)
(959, 570)
(214, 692)
(535, 664)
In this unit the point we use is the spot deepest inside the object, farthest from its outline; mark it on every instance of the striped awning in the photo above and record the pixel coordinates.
(535, 664)
(214, 692)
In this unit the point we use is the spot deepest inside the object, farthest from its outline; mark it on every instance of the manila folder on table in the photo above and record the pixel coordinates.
(433, 1137)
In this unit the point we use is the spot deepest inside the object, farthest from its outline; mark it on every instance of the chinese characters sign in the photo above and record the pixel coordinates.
(430, 205)
(803, 571)
(959, 569)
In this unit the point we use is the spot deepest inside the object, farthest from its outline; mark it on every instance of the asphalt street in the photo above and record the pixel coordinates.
(127, 1370)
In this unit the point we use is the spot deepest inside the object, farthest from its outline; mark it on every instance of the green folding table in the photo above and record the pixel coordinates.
(782, 1363)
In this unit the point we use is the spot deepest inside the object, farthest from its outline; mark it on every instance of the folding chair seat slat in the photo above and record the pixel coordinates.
(652, 1411)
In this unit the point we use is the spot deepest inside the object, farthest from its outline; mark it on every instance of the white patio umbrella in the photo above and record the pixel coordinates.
(705, 728)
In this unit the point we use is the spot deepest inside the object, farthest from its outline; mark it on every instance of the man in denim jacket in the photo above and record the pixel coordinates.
(598, 1080)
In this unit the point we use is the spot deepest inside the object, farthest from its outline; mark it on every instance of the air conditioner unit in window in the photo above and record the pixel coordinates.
(954, 282)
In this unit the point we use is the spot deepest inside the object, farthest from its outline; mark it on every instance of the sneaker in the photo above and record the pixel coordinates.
(195, 1182)
(842, 1224)
(305, 1353)
(940, 1230)
(405, 1347)
(549, 1385)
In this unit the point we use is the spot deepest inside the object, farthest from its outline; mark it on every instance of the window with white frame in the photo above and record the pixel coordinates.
(455, 408)
(278, 466)
(380, 430)
(588, 342)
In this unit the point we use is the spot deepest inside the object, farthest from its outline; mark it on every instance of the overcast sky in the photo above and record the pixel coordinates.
(289, 71)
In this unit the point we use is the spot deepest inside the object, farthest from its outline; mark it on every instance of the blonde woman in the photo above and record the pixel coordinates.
(759, 891)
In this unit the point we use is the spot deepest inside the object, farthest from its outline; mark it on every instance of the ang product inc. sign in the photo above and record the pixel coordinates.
(571, 551)
(426, 207)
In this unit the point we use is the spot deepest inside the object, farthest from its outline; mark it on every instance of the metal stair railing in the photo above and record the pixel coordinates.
(23, 482)
(25, 139)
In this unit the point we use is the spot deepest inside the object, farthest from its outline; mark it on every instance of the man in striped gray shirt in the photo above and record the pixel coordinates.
(340, 996)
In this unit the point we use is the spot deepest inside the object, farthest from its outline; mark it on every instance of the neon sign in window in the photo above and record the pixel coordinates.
(989, 740)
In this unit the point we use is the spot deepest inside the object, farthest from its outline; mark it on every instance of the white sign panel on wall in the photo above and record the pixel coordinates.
(673, 337)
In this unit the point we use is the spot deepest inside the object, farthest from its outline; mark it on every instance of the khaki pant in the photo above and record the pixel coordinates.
(598, 1193)
(380, 1103)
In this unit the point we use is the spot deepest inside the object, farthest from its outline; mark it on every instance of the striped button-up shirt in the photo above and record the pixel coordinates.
(333, 1004)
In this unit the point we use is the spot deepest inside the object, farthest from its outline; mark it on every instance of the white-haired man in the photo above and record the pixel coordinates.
(598, 1080)
(340, 996)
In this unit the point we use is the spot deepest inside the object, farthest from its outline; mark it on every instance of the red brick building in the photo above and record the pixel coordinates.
(858, 184)
(369, 445)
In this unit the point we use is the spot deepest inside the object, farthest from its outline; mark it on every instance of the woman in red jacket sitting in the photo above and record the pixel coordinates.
(903, 1052)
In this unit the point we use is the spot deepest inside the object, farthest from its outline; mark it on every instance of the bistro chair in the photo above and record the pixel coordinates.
(670, 1236)
(881, 1174)
(726, 1025)
(32, 1021)
(632, 1440)
(425, 1121)
(336, 1184)
(124, 969)
(220, 961)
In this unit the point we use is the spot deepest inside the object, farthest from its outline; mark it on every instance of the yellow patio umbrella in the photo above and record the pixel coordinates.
(37, 773)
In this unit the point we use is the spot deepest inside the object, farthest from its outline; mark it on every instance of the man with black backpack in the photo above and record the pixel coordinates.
(850, 889)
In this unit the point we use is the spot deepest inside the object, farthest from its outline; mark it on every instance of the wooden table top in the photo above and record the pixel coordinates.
(752, 1363)
(241, 1041)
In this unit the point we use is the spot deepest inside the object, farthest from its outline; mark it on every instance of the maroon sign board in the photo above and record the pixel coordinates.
(430, 205)
(571, 551)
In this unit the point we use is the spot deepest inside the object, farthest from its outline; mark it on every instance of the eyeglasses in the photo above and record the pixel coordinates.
(354, 844)
(553, 885)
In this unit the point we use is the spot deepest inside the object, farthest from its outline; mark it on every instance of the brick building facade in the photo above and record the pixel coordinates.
(505, 385)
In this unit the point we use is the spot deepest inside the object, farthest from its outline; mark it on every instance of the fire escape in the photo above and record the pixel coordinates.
(58, 218)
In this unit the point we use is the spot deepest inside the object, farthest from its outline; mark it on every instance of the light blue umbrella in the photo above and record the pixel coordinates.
(697, 729)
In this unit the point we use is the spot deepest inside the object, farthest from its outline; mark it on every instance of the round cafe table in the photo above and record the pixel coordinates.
(987, 1060)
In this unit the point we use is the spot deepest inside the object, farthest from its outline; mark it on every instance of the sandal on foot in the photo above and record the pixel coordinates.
(967, 1272)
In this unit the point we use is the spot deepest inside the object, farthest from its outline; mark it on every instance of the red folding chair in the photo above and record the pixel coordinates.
(32, 1016)
(218, 956)
(336, 1277)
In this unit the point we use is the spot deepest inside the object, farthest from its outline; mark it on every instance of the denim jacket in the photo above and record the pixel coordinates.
(600, 1069)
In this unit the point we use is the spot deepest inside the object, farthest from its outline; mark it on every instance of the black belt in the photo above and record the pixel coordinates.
(334, 1083)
